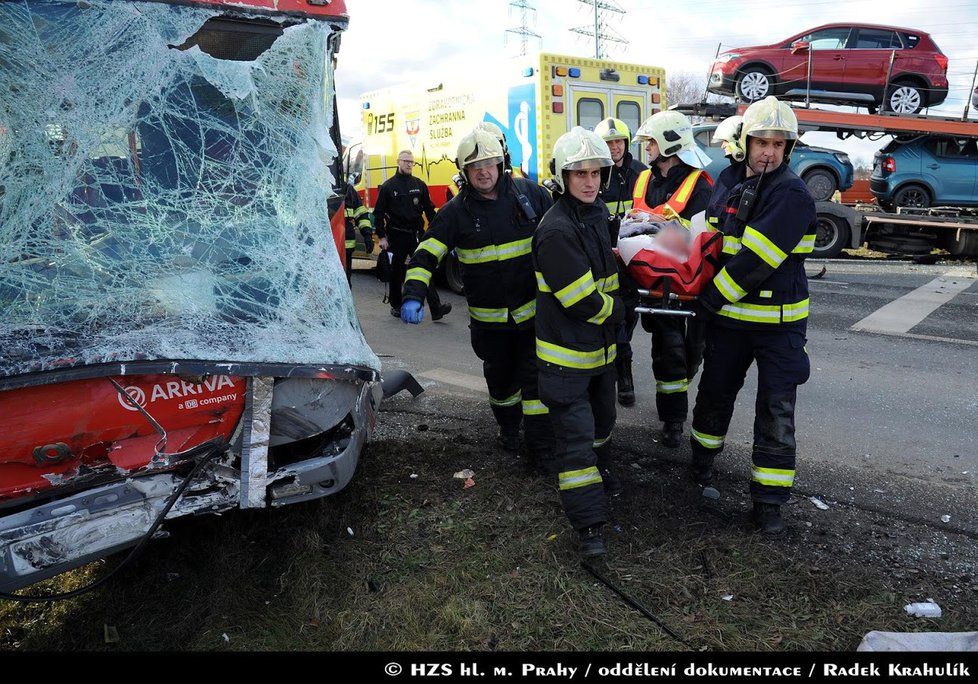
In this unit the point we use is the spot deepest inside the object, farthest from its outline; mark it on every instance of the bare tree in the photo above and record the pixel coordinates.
(684, 88)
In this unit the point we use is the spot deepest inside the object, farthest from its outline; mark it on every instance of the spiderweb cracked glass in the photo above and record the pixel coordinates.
(160, 199)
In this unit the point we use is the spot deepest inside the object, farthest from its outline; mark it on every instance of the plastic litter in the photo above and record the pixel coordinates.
(469, 483)
(919, 641)
(819, 504)
(927, 609)
(945, 518)
(711, 493)
(349, 531)
(466, 474)
(727, 597)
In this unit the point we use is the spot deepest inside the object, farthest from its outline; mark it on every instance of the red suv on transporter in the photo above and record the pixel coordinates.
(850, 64)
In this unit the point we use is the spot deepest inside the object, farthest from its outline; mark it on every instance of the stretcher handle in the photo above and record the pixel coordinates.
(664, 312)
(672, 295)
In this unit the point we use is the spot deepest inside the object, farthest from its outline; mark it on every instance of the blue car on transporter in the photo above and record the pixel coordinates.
(926, 171)
(822, 169)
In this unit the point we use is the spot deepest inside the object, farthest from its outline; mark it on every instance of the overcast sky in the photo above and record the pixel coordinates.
(431, 40)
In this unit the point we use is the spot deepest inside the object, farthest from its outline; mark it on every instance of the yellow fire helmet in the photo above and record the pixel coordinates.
(614, 129)
(477, 150)
(580, 148)
(673, 133)
(769, 118)
(728, 133)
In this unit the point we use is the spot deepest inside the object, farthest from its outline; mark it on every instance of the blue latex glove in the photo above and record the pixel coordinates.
(412, 311)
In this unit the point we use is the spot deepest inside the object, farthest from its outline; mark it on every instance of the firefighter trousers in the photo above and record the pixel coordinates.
(509, 365)
(582, 411)
(677, 352)
(402, 245)
(782, 365)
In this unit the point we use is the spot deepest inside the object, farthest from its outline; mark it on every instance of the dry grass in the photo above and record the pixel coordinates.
(432, 566)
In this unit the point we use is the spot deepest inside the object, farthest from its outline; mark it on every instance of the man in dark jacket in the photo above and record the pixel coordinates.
(618, 198)
(578, 314)
(757, 306)
(675, 186)
(402, 205)
(490, 224)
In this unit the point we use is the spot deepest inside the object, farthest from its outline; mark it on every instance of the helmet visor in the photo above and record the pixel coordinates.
(484, 163)
(581, 164)
(770, 133)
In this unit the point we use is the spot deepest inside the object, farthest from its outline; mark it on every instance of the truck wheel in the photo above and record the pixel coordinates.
(753, 84)
(453, 274)
(912, 196)
(821, 183)
(832, 235)
(964, 245)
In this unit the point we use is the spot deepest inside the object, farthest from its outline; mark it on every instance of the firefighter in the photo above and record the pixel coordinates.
(578, 313)
(490, 224)
(674, 186)
(618, 198)
(757, 307)
(496, 132)
(357, 217)
(402, 204)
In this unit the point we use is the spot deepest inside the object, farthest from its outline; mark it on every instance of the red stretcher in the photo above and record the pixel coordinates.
(665, 283)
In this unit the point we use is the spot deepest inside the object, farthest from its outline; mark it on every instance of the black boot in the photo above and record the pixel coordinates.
(626, 387)
(612, 484)
(767, 518)
(592, 541)
(509, 441)
(672, 434)
(702, 471)
(441, 312)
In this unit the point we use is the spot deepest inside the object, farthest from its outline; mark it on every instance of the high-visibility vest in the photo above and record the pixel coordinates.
(677, 202)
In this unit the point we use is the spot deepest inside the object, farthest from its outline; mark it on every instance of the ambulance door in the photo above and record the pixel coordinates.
(631, 108)
(588, 107)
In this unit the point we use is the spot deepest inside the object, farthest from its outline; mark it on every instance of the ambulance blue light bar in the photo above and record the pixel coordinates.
(527, 72)
(643, 80)
(366, 105)
(574, 72)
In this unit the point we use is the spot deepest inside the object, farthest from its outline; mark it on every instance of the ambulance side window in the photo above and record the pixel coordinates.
(631, 114)
(589, 112)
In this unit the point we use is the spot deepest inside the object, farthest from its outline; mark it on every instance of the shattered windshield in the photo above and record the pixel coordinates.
(164, 181)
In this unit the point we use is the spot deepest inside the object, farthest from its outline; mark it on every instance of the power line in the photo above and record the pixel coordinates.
(524, 31)
(601, 32)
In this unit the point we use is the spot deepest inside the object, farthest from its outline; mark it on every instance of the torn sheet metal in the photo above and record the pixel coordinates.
(254, 453)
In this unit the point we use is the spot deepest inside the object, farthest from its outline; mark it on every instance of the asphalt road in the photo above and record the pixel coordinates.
(891, 408)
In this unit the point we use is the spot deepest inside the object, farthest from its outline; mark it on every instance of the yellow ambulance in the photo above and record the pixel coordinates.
(532, 99)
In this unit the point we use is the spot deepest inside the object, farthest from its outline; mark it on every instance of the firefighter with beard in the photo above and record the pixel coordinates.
(618, 198)
(675, 186)
(578, 313)
(757, 307)
(490, 225)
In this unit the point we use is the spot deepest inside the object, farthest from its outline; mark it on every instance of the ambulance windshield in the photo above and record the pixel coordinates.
(165, 176)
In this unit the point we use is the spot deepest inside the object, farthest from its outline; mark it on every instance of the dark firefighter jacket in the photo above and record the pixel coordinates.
(618, 195)
(401, 202)
(578, 309)
(357, 216)
(492, 241)
(762, 283)
(661, 188)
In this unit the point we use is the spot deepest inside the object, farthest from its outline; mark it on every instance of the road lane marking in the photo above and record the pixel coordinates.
(475, 383)
(929, 338)
(900, 315)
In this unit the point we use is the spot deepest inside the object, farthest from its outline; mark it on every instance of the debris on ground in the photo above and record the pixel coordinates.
(469, 482)
(110, 634)
(349, 530)
(945, 518)
(819, 504)
(927, 608)
(466, 474)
